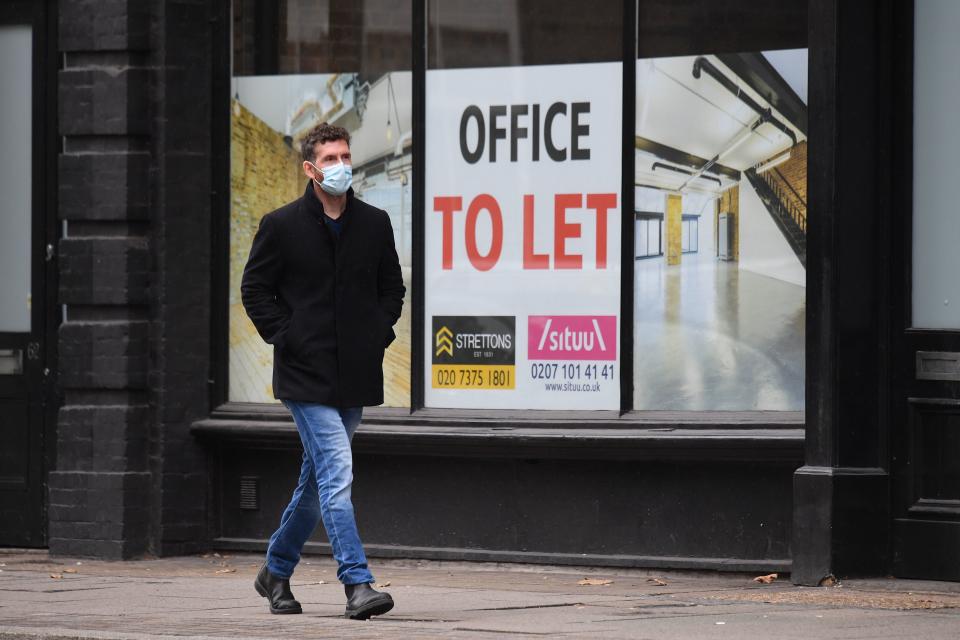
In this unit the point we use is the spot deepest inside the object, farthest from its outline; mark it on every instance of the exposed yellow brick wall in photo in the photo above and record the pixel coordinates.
(716, 227)
(674, 228)
(264, 174)
(729, 202)
(791, 176)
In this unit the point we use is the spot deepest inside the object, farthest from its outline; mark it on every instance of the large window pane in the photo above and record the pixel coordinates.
(16, 46)
(936, 137)
(298, 63)
(523, 178)
(719, 316)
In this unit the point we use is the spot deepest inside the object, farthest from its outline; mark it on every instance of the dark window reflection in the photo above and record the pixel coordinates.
(369, 37)
(498, 33)
(690, 27)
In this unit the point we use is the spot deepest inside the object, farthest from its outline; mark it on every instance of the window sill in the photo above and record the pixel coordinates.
(774, 437)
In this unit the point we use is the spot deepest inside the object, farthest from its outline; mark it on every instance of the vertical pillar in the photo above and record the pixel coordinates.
(716, 227)
(99, 488)
(734, 196)
(182, 55)
(841, 494)
(673, 224)
(134, 276)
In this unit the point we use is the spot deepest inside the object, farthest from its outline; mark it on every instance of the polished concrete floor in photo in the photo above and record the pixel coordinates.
(709, 336)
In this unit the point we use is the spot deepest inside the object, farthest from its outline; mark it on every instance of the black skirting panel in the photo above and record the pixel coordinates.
(683, 514)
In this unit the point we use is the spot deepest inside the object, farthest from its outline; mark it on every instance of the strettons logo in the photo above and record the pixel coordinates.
(444, 338)
(474, 339)
(474, 352)
(572, 338)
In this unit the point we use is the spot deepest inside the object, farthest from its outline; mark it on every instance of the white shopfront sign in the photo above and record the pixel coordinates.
(523, 181)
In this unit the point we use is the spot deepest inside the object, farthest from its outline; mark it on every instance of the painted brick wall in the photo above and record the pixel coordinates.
(99, 498)
(134, 277)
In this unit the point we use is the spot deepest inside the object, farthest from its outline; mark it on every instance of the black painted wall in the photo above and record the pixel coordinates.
(134, 262)
(733, 516)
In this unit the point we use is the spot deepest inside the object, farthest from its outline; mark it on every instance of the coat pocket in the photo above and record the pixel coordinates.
(388, 334)
(293, 341)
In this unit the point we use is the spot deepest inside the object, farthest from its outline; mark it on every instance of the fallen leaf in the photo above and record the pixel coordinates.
(69, 570)
(383, 585)
(594, 582)
(56, 576)
(657, 581)
(767, 579)
(225, 571)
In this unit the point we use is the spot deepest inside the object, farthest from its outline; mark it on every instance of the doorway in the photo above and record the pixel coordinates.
(926, 381)
(26, 253)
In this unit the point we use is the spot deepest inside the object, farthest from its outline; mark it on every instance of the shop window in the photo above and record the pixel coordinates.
(297, 63)
(720, 148)
(523, 155)
(521, 217)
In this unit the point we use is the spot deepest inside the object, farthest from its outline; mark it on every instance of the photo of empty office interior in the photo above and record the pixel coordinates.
(720, 228)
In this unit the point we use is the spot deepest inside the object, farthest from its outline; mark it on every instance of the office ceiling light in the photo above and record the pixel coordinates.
(770, 164)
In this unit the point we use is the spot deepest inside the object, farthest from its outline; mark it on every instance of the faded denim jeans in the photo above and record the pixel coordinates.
(323, 493)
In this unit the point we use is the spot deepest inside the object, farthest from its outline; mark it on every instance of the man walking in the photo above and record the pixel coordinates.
(323, 286)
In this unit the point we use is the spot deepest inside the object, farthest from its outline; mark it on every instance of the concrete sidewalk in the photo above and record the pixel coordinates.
(212, 597)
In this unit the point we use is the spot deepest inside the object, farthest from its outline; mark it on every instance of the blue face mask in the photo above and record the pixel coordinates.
(336, 178)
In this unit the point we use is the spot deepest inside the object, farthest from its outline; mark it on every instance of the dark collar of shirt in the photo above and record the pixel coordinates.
(335, 226)
(316, 208)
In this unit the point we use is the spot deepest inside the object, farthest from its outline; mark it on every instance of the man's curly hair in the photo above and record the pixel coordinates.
(323, 132)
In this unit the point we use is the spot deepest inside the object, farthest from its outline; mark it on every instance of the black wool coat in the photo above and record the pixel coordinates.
(327, 305)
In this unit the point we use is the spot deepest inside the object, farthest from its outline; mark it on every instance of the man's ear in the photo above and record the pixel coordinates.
(312, 172)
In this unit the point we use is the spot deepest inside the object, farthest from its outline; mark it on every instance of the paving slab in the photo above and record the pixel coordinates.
(211, 596)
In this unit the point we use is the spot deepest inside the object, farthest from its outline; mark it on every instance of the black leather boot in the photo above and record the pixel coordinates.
(277, 591)
(364, 601)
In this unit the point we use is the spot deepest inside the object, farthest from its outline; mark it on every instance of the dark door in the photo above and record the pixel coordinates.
(24, 323)
(926, 299)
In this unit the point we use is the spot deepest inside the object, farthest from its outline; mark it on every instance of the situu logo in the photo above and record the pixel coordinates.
(572, 338)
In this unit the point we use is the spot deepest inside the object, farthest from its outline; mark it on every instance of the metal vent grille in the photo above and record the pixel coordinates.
(249, 493)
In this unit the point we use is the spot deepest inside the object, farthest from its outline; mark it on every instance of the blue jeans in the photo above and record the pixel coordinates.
(323, 492)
